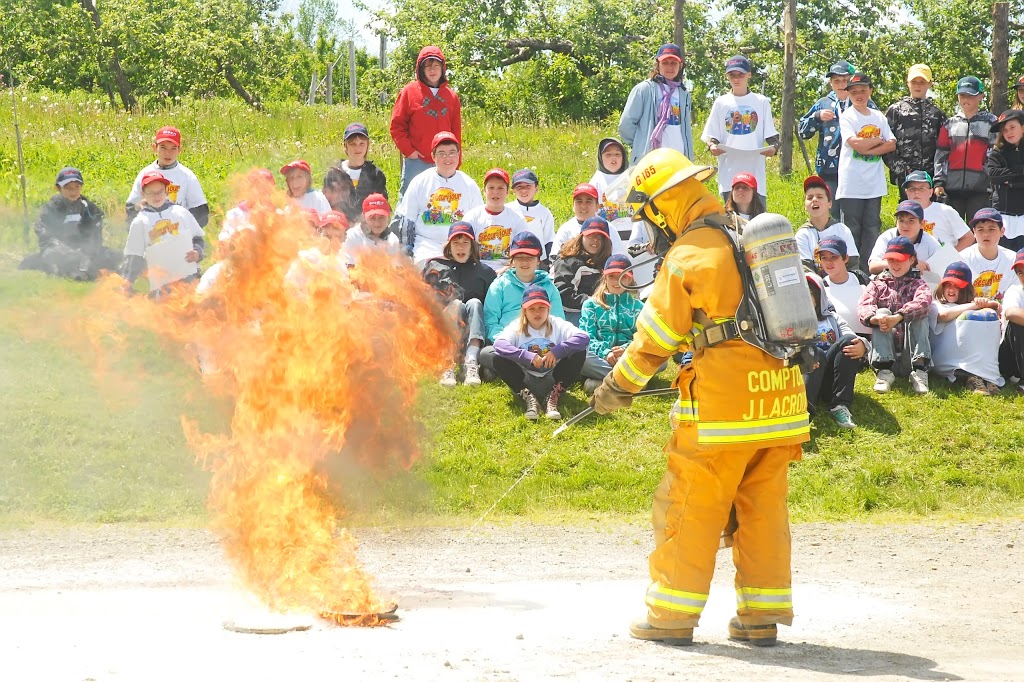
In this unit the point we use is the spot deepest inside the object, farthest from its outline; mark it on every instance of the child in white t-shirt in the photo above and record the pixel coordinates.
(740, 131)
(539, 219)
(991, 264)
(299, 179)
(585, 204)
(372, 229)
(183, 186)
(909, 224)
(965, 333)
(862, 184)
(940, 220)
(844, 287)
(820, 226)
(494, 223)
(538, 349)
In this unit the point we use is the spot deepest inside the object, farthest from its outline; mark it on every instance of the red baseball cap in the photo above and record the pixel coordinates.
(168, 134)
(261, 175)
(153, 176)
(586, 188)
(817, 181)
(1018, 259)
(445, 136)
(295, 165)
(497, 173)
(335, 219)
(376, 204)
(747, 179)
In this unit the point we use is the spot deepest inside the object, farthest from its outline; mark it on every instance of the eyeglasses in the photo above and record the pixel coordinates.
(157, 193)
(445, 155)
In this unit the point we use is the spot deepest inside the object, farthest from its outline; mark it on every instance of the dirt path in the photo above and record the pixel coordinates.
(514, 603)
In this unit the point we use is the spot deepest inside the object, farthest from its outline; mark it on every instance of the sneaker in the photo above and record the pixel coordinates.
(552, 407)
(841, 413)
(448, 378)
(641, 629)
(472, 373)
(590, 385)
(976, 385)
(919, 380)
(758, 635)
(532, 406)
(884, 381)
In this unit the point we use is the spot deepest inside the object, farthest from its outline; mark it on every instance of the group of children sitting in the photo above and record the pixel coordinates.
(542, 308)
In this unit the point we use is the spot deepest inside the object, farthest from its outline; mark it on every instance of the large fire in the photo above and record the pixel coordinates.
(317, 357)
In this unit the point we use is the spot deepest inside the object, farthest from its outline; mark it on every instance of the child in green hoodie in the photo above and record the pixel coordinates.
(609, 318)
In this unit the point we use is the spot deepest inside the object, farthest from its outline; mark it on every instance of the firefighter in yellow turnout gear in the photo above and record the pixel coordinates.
(738, 423)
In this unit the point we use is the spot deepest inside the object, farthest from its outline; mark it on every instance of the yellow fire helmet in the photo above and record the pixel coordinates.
(653, 175)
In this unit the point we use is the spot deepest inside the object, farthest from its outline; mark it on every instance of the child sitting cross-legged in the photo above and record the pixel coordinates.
(895, 304)
(539, 353)
(609, 319)
(965, 332)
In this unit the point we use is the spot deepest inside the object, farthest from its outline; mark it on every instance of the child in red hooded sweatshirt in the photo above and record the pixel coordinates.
(425, 107)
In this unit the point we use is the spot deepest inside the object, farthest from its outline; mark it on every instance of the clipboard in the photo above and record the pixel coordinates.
(165, 260)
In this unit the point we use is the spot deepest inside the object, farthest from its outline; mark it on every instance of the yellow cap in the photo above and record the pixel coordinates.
(919, 71)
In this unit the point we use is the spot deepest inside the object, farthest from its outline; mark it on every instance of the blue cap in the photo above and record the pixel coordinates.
(534, 295)
(669, 51)
(355, 129)
(616, 262)
(524, 175)
(841, 68)
(69, 174)
(912, 207)
(900, 248)
(460, 227)
(525, 242)
(738, 63)
(969, 85)
(833, 245)
(987, 214)
(958, 273)
(596, 225)
(919, 176)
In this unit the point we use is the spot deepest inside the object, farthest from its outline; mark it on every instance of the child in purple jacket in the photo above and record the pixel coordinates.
(895, 304)
(539, 351)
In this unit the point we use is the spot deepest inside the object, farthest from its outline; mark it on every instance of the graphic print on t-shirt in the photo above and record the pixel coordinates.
(866, 133)
(494, 242)
(673, 110)
(741, 121)
(986, 285)
(161, 228)
(443, 207)
(172, 192)
(611, 211)
(825, 336)
(928, 227)
(541, 347)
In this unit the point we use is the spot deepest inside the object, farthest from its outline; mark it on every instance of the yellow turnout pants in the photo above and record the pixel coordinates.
(691, 507)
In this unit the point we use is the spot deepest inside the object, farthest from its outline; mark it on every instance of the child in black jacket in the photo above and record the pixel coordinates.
(1005, 168)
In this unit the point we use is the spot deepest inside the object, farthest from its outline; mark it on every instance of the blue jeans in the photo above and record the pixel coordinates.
(574, 317)
(883, 344)
(469, 317)
(595, 367)
(410, 169)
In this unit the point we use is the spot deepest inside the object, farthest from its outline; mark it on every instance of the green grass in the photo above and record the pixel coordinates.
(78, 448)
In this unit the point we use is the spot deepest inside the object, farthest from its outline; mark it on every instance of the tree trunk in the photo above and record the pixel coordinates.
(788, 88)
(1000, 57)
(229, 75)
(121, 82)
(679, 27)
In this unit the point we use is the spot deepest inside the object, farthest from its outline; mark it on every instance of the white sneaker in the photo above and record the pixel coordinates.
(472, 373)
(885, 381)
(919, 380)
(448, 378)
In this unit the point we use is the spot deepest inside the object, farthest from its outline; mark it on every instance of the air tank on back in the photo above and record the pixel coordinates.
(770, 249)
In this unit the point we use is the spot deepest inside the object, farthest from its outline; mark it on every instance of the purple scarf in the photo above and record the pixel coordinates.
(667, 88)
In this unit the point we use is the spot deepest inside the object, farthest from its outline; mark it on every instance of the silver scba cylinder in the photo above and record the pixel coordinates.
(770, 249)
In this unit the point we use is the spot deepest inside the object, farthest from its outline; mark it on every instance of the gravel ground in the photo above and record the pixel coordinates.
(523, 602)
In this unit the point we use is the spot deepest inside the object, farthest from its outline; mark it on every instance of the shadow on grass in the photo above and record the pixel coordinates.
(830, 660)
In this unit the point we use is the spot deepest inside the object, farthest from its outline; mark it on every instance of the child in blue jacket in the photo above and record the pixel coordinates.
(609, 318)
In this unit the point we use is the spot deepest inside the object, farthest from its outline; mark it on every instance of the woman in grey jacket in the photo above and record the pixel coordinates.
(659, 110)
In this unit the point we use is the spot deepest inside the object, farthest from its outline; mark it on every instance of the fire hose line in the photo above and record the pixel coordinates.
(526, 472)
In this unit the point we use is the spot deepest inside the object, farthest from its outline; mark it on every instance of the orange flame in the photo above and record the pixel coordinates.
(312, 352)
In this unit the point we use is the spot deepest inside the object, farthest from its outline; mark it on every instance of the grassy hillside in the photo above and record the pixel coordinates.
(74, 447)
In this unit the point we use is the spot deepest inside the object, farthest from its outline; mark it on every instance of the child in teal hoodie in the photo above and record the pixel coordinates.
(505, 295)
(609, 318)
